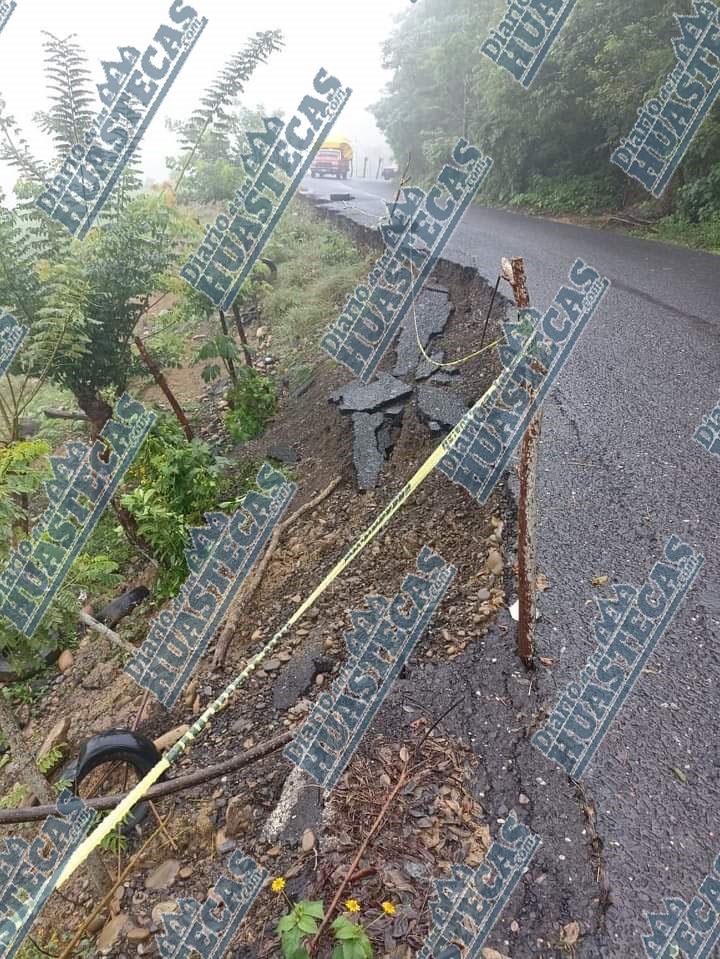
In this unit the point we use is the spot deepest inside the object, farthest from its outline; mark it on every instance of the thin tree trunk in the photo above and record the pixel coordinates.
(229, 362)
(21, 754)
(96, 410)
(241, 334)
(165, 387)
(33, 778)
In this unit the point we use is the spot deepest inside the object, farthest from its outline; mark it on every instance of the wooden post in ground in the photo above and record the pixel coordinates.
(241, 334)
(230, 364)
(513, 271)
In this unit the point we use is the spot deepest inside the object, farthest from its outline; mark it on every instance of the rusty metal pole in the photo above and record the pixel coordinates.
(513, 271)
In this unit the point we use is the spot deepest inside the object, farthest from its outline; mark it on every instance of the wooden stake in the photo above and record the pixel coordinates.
(514, 272)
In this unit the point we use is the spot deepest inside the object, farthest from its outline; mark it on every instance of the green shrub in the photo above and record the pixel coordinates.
(166, 347)
(700, 201)
(172, 483)
(704, 235)
(570, 194)
(252, 402)
(89, 576)
(23, 467)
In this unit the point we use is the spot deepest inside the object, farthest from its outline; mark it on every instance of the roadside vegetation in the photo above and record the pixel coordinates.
(551, 144)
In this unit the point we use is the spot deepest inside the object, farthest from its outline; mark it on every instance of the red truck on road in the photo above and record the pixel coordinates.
(334, 158)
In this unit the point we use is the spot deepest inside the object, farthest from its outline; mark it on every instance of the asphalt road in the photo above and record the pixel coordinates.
(619, 473)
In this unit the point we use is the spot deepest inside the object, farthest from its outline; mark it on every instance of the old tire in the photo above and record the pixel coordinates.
(116, 745)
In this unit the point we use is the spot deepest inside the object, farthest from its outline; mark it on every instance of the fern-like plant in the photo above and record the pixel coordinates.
(222, 94)
(73, 103)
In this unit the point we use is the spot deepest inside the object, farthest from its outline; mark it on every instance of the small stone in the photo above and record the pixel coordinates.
(163, 876)
(483, 595)
(308, 840)
(185, 872)
(167, 905)
(270, 665)
(137, 934)
(238, 817)
(523, 799)
(494, 562)
(283, 454)
(169, 738)
(320, 679)
(96, 924)
(56, 736)
(111, 933)
(65, 661)
(190, 692)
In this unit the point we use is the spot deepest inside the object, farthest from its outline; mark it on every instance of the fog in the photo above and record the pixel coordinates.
(343, 37)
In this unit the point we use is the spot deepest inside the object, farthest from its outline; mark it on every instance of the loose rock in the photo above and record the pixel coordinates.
(65, 661)
(169, 738)
(163, 876)
(56, 736)
(111, 933)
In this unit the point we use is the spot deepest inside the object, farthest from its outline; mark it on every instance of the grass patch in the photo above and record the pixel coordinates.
(569, 194)
(674, 229)
(318, 266)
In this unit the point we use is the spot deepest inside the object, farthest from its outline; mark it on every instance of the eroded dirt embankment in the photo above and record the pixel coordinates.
(477, 763)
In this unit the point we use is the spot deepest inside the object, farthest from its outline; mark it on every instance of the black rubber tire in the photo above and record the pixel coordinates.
(120, 745)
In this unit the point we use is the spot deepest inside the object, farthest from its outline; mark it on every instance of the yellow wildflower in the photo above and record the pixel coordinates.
(388, 908)
(277, 885)
(352, 905)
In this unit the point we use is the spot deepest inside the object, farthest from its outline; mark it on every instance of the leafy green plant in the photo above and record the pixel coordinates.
(352, 940)
(220, 347)
(23, 467)
(51, 761)
(700, 200)
(297, 925)
(303, 918)
(172, 483)
(22, 471)
(19, 693)
(17, 795)
(252, 401)
(115, 841)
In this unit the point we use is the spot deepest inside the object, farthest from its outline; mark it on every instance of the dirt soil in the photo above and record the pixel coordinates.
(473, 767)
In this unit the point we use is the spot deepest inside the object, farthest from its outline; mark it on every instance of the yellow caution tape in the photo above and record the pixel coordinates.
(115, 817)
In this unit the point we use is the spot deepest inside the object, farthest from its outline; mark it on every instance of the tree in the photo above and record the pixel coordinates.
(610, 57)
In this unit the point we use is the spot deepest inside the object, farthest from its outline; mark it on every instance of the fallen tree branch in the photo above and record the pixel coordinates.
(66, 415)
(223, 643)
(168, 788)
(402, 780)
(105, 902)
(97, 627)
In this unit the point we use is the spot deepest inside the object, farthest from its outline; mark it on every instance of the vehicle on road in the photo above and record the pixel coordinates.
(334, 158)
(389, 172)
